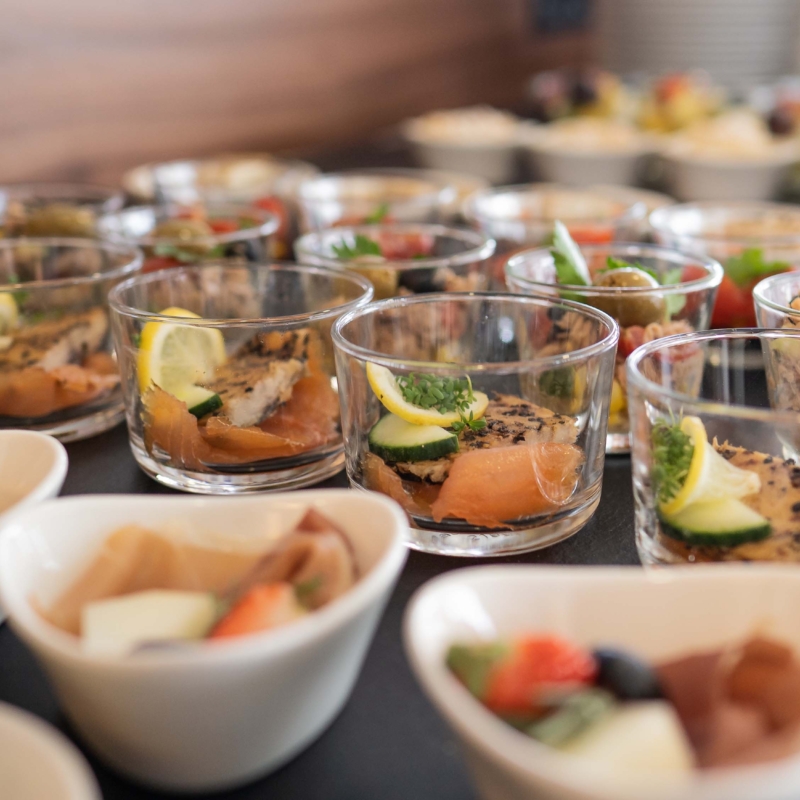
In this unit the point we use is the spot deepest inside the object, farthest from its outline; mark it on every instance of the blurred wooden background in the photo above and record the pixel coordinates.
(92, 87)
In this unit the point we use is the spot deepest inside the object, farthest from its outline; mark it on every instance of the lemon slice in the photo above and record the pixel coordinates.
(384, 384)
(710, 476)
(9, 313)
(178, 357)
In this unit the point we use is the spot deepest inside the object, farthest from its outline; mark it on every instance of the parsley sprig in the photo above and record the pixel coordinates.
(444, 395)
(750, 265)
(378, 215)
(672, 456)
(362, 246)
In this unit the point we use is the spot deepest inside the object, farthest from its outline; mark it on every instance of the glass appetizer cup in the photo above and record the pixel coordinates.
(175, 236)
(370, 197)
(678, 299)
(58, 374)
(228, 373)
(55, 209)
(715, 447)
(403, 259)
(442, 411)
(523, 216)
(750, 240)
(256, 179)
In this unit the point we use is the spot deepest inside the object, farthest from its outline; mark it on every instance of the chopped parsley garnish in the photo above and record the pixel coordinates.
(444, 395)
(378, 215)
(672, 456)
(468, 422)
(362, 246)
(750, 265)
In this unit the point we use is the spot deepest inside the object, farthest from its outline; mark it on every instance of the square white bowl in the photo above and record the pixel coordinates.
(207, 716)
(655, 614)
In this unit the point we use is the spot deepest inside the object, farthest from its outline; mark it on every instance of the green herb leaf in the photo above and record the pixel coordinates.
(672, 456)
(445, 395)
(473, 664)
(750, 265)
(569, 262)
(378, 215)
(558, 382)
(186, 256)
(617, 263)
(362, 246)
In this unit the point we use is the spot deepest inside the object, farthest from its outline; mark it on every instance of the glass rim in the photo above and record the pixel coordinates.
(482, 246)
(116, 303)
(712, 279)
(607, 342)
(124, 249)
(436, 194)
(110, 198)
(711, 407)
(631, 211)
(767, 283)
(269, 225)
(658, 220)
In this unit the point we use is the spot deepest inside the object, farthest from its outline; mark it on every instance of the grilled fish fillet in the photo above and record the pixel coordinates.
(56, 343)
(261, 376)
(509, 420)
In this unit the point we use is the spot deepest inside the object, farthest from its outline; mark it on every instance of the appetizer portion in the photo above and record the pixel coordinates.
(726, 707)
(146, 588)
(446, 451)
(205, 410)
(717, 501)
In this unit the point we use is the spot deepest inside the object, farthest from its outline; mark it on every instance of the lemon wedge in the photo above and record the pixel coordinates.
(384, 384)
(9, 313)
(710, 476)
(618, 402)
(178, 357)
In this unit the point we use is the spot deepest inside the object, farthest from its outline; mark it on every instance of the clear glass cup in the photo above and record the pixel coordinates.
(713, 377)
(241, 397)
(523, 216)
(682, 304)
(55, 209)
(371, 196)
(175, 236)
(58, 373)
(531, 475)
(415, 258)
(766, 235)
(257, 179)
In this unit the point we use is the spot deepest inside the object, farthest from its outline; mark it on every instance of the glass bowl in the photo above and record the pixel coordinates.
(523, 216)
(58, 374)
(682, 304)
(175, 236)
(777, 301)
(518, 478)
(240, 394)
(55, 209)
(706, 419)
(257, 179)
(403, 259)
(750, 240)
(372, 196)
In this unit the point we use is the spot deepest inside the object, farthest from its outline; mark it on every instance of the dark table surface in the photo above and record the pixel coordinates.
(388, 743)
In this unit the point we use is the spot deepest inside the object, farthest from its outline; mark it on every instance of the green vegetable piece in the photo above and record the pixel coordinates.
(558, 382)
(569, 262)
(378, 215)
(672, 456)
(576, 713)
(471, 664)
(304, 590)
(362, 246)
(750, 265)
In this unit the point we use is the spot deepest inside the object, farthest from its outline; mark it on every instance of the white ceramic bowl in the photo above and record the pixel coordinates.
(32, 468)
(495, 163)
(39, 763)
(656, 614)
(206, 717)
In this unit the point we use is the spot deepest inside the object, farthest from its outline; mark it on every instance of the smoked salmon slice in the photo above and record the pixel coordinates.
(493, 487)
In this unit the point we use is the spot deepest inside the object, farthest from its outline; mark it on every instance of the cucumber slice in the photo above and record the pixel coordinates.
(394, 439)
(200, 401)
(724, 522)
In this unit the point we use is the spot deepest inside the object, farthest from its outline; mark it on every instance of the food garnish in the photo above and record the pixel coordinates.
(571, 267)
(378, 215)
(750, 265)
(362, 246)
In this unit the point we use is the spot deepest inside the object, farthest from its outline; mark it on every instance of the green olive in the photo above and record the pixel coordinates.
(59, 219)
(636, 309)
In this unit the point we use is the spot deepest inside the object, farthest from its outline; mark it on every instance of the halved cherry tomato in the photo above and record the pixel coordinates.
(591, 234)
(156, 263)
(277, 207)
(734, 306)
(224, 225)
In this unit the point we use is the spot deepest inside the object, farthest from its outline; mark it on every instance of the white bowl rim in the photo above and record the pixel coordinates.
(487, 732)
(30, 626)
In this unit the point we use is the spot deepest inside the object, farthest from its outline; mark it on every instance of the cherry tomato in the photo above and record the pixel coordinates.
(224, 225)
(629, 339)
(404, 246)
(591, 234)
(277, 207)
(734, 306)
(535, 663)
(156, 263)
